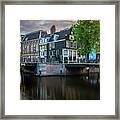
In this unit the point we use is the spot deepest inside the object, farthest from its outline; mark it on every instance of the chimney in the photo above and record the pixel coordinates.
(52, 29)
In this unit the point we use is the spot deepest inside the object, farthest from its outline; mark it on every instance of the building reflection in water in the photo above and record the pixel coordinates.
(60, 88)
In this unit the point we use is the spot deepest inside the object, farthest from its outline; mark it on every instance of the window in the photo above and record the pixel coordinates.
(56, 37)
(71, 37)
(45, 47)
(51, 45)
(42, 53)
(21, 47)
(71, 44)
(29, 48)
(74, 45)
(45, 53)
(32, 47)
(26, 38)
(31, 58)
(40, 47)
(44, 40)
(36, 59)
(36, 47)
(47, 39)
(67, 44)
(65, 60)
(50, 53)
(21, 59)
(25, 47)
(74, 53)
(28, 59)
(53, 53)
(65, 52)
(57, 52)
(40, 40)
(70, 53)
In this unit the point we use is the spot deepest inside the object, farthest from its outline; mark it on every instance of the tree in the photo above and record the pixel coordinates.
(86, 33)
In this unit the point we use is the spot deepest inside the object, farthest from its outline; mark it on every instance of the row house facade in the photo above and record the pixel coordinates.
(30, 47)
(56, 47)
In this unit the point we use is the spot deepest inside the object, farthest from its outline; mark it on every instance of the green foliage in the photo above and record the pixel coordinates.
(87, 35)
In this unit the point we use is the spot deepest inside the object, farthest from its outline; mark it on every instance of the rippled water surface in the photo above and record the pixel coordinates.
(60, 87)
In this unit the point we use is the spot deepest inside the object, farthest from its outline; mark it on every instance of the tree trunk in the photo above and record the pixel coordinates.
(87, 57)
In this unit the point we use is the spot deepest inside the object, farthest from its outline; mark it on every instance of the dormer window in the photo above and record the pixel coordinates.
(55, 37)
(42, 40)
(26, 38)
(47, 39)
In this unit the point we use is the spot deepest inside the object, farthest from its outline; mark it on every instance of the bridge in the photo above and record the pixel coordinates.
(78, 68)
(82, 65)
(61, 68)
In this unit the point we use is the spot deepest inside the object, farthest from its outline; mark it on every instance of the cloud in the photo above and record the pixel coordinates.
(27, 26)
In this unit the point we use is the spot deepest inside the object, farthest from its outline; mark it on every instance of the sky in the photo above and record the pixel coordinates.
(27, 26)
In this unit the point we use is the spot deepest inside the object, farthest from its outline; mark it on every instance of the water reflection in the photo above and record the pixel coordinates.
(60, 87)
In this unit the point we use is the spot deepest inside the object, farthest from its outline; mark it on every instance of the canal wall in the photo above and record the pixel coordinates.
(60, 69)
(51, 69)
(57, 69)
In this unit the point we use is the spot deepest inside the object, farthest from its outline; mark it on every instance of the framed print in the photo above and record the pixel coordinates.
(59, 59)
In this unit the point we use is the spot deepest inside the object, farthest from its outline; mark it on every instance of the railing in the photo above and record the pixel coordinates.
(64, 63)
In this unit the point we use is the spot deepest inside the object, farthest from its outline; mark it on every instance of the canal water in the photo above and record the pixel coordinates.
(75, 87)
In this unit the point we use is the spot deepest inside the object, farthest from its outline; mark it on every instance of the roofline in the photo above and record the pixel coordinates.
(33, 32)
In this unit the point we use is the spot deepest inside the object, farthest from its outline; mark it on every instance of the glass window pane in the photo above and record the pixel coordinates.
(65, 52)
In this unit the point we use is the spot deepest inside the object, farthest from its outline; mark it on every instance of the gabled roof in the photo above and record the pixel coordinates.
(62, 34)
(35, 35)
(47, 35)
(32, 35)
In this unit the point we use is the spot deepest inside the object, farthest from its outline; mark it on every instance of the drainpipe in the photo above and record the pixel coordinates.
(72, 55)
(68, 56)
(63, 55)
(76, 57)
